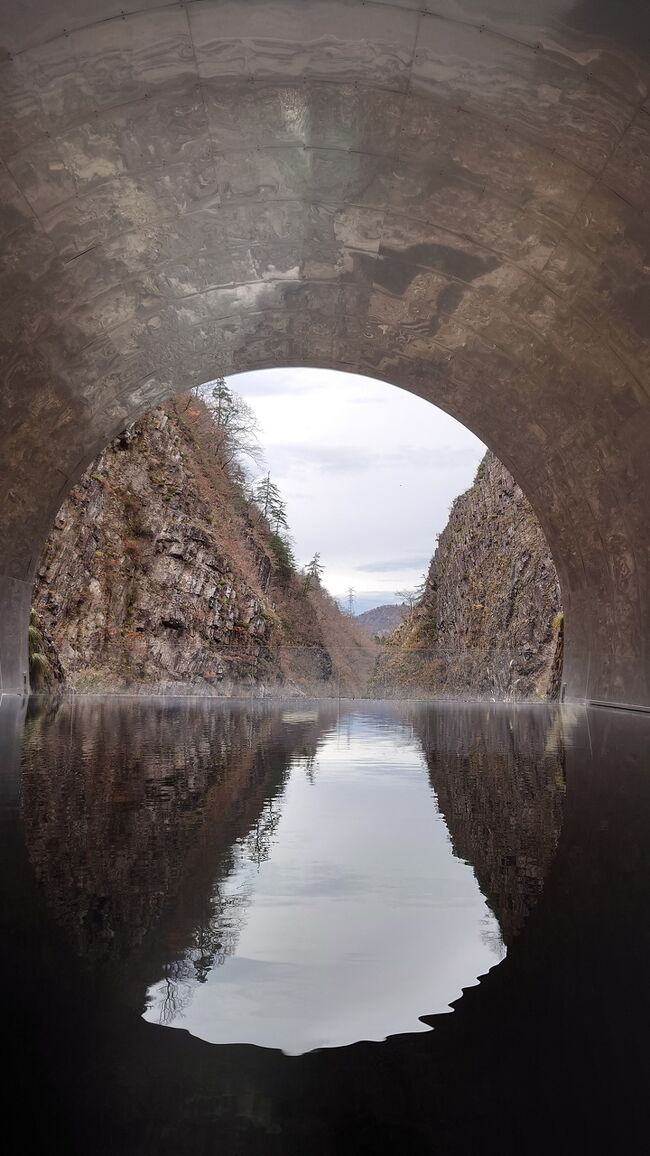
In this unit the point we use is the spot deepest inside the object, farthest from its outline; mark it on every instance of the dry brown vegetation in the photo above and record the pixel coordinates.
(484, 626)
(162, 574)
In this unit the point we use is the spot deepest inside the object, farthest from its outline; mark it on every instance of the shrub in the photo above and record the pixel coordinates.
(40, 667)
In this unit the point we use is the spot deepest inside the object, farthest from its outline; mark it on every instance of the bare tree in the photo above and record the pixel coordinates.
(410, 598)
(235, 424)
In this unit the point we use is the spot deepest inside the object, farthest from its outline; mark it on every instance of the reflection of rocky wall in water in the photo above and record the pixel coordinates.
(134, 813)
(200, 927)
(123, 804)
(498, 774)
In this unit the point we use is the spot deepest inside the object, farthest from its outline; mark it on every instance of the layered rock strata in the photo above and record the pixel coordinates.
(489, 621)
(160, 575)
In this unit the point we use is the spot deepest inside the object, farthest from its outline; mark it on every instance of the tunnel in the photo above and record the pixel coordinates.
(451, 196)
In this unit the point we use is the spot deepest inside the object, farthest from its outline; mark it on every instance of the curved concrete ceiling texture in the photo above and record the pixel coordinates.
(451, 196)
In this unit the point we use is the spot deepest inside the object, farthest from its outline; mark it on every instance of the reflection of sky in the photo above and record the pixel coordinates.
(368, 472)
(360, 920)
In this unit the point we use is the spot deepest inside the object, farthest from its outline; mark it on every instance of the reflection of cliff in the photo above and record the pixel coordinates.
(131, 811)
(135, 814)
(200, 928)
(498, 774)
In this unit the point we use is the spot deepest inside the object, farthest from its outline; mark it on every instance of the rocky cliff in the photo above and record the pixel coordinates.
(488, 623)
(160, 575)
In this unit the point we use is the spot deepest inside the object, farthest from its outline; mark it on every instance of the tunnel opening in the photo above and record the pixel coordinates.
(200, 553)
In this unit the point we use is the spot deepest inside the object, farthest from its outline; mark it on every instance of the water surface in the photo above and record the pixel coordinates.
(181, 880)
(286, 877)
(345, 914)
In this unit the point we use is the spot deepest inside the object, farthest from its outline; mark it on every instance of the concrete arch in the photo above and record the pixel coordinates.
(451, 196)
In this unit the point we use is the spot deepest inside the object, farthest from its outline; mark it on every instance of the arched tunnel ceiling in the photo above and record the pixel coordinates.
(450, 196)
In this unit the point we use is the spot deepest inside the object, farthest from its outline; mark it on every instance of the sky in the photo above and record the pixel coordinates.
(368, 473)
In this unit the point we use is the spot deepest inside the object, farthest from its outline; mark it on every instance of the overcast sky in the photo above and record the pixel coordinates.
(368, 473)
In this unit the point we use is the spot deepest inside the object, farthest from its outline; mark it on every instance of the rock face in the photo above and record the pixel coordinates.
(159, 575)
(488, 623)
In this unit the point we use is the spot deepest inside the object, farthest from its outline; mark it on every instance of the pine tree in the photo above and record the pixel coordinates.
(312, 572)
(267, 497)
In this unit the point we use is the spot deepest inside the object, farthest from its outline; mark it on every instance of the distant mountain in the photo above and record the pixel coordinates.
(382, 620)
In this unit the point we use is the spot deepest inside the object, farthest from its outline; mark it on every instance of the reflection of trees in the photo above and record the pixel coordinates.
(257, 844)
(309, 764)
(498, 774)
(210, 945)
(113, 796)
(135, 815)
(491, 936)
(176, 996)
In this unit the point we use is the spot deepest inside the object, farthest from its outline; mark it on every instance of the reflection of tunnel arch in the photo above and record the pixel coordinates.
(451, 200)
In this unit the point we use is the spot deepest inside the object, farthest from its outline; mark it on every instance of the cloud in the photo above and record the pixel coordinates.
(360, 458)
(324, 458)
(395, 564)
(368, 472)
(276, 383)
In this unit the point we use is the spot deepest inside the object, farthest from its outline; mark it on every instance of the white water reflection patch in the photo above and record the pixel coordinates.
(344, 914)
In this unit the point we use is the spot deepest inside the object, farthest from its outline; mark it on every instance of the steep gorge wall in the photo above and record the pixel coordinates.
(159, 575)
(488, 623)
